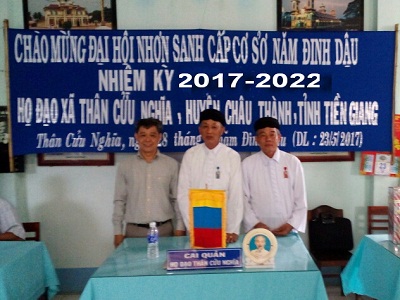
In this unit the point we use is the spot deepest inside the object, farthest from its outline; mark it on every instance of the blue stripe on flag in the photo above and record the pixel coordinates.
(207, 217)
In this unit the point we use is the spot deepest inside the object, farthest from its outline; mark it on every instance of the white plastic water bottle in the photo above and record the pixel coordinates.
(152, 241)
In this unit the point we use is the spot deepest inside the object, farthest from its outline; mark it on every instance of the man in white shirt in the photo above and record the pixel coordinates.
(212, 165)
(11, 228)
(273, 183)
(260, 252)
(146, 187)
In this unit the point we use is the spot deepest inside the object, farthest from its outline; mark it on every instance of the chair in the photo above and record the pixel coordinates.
(331, 239)
(378, 219)
(32, 230)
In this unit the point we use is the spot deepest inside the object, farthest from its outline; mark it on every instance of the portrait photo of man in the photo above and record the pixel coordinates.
(260, 251)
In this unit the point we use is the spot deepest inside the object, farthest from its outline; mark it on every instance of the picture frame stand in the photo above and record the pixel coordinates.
(259, 248)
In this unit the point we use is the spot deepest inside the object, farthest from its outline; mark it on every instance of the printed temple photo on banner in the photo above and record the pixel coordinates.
(320, 15)
(70, 14)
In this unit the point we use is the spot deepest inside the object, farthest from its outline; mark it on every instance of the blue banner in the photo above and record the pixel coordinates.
(83, 90)
(198, 259)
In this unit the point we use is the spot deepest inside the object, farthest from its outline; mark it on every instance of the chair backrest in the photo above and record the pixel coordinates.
(32, 230)
(324, 209)
(378, 218)
(328, 231)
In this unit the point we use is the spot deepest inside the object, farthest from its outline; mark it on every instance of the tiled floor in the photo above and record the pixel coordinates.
(334, 293)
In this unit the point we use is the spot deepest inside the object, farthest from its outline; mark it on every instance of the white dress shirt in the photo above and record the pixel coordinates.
(9, 221)
(274, 191)
(216, 169)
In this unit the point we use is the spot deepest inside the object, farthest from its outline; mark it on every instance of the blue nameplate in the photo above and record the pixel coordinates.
(191, 259)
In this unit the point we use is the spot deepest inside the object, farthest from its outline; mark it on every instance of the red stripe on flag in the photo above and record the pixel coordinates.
(208, 238)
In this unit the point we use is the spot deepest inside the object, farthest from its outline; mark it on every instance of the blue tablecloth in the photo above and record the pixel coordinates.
(26, 270)
(128, 274)
(374, 269)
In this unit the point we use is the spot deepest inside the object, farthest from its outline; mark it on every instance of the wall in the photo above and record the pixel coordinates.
(74, 204)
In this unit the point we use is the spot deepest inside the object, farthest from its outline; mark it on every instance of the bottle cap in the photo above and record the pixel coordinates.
(152, 224)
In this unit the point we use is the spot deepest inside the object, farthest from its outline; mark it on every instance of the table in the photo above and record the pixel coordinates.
(128, 274)
(26, 270)
(374, 269)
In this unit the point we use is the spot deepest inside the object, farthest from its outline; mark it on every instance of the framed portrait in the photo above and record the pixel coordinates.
(259, 246)
(70, 14)
(324, 156)
(76, 159)
(338, 15)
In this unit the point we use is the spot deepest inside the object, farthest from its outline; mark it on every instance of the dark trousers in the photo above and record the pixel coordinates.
(132, 230)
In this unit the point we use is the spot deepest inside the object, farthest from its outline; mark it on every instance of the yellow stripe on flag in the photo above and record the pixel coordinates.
(209, 198)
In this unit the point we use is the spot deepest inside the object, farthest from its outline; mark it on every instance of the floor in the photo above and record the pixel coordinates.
(334, 293)
(66, 297)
